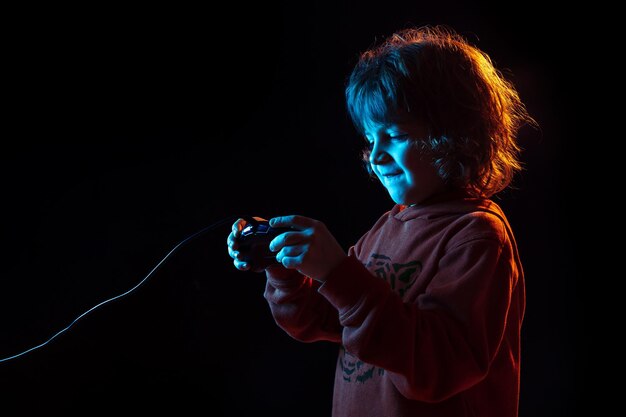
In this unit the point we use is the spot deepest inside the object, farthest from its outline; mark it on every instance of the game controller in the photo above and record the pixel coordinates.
(254, 243)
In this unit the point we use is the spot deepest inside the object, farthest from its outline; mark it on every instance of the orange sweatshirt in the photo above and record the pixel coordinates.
(427, 308)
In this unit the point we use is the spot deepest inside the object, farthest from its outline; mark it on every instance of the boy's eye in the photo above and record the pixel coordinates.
(399, 136)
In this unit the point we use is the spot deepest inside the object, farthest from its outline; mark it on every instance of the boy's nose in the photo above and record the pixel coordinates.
(378, 155)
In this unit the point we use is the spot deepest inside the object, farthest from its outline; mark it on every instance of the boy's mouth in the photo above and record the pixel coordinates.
(390, 175)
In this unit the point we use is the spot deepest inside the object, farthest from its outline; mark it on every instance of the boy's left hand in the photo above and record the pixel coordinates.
(310, 248)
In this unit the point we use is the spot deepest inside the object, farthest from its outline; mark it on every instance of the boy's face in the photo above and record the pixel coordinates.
(400, 165)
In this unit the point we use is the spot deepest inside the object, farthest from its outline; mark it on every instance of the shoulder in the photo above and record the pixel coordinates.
(486, 222)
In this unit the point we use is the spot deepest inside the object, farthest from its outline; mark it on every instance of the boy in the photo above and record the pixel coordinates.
(427, 306)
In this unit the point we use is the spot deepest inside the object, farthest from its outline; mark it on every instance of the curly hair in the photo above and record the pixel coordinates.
(433, 76)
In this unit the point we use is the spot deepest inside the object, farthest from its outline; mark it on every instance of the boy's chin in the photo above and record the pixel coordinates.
(398, 198)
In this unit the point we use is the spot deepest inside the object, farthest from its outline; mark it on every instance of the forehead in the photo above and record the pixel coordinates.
(377, 125)
(410, 127)
(373, 122)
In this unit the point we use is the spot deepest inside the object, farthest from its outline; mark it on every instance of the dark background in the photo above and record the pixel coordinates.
(126, 131)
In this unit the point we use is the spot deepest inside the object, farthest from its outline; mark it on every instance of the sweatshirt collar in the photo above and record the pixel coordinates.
(451, 202)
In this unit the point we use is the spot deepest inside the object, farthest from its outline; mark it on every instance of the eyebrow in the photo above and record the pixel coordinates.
(386, 128)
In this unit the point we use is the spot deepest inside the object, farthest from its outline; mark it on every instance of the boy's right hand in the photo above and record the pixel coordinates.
(233, 245)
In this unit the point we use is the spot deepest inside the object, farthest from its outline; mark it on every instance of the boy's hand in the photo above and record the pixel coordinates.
(311, 248)
(233, 245)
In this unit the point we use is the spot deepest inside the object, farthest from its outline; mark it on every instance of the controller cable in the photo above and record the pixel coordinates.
(158, 265)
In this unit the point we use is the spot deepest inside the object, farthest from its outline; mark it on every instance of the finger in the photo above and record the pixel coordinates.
(291, 256)
(238, 227)
(235, 254)
(291, 262)
(291, 251)
(231, 241)
(295, 221)
(286, 239)
(242, 266)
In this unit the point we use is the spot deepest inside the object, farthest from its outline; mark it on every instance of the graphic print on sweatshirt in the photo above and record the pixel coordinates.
(400, 276)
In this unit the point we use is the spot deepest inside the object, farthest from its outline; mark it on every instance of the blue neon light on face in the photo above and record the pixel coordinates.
(403, 169)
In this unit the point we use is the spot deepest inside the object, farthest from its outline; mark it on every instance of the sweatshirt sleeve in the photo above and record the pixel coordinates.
(444, 342)
(298, 308)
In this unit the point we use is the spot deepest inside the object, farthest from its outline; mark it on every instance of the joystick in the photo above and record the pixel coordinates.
(254, 243)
